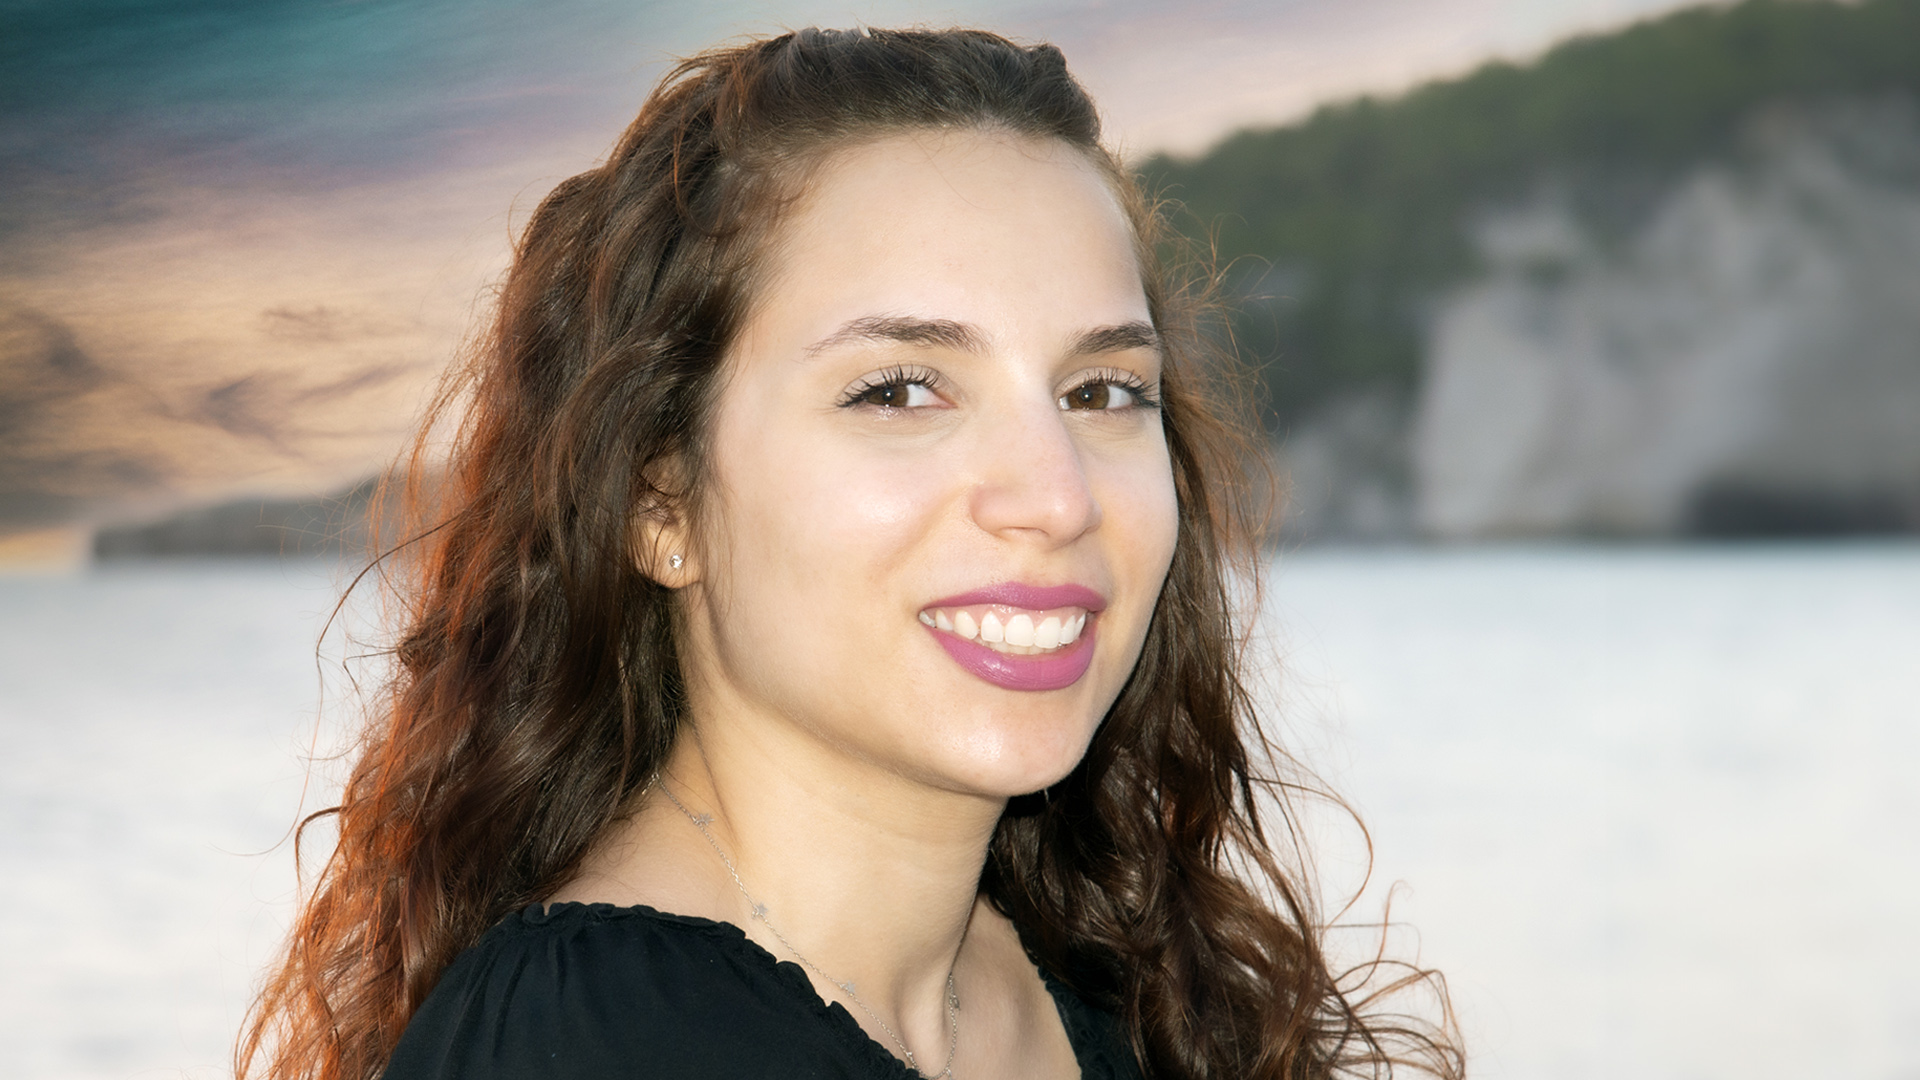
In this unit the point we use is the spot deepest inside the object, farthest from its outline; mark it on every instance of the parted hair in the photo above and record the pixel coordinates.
(536, 685)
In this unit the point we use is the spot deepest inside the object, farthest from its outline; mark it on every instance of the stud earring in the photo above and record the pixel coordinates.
(674, 561)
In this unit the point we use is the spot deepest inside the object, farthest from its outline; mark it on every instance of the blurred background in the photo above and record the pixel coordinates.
(1589, 346)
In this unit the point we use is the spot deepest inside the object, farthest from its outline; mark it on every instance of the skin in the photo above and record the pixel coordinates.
(855, 771)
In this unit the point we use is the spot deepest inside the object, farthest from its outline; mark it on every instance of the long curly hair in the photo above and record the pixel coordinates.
(537, 685)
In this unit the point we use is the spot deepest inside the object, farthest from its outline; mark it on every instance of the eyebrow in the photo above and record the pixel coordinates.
(1108, 339)
(965, 338)
(905, 329)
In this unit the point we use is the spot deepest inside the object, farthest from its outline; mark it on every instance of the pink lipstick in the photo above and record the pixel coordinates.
(1031, 597)
(1054, 668)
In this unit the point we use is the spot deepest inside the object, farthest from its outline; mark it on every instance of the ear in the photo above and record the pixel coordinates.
(662, 546)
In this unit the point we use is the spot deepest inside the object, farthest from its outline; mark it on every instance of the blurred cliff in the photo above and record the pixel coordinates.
(1664, 282)
(334, 525)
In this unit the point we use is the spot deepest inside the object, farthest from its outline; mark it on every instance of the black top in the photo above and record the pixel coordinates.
(591, 991)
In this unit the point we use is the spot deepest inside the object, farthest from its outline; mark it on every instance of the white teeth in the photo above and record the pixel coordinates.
(1017, 633)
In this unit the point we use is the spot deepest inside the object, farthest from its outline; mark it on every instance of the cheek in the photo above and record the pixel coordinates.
(1140, 509)
(818, 519)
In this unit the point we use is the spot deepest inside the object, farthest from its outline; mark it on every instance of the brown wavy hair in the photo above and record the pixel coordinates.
(537, 685)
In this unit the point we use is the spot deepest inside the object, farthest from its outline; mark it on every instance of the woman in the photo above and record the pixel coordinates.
(823, 663)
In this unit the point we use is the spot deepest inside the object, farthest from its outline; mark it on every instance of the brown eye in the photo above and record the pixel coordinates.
(1093, 395)
(893, 393)
(1104, 395)
(886, 395)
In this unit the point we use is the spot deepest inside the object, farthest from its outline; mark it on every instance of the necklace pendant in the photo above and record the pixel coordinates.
(760, 911)
(847, 986)
(703, 820)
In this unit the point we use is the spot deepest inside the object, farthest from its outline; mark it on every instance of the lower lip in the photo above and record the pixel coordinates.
(1053, 671)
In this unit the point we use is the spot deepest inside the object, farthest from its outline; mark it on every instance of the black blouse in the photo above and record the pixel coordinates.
(593, 991)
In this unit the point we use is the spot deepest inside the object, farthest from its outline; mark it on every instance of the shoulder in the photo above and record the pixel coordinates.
(590, 990)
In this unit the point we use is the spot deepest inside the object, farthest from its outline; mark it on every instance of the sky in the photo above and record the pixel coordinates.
(240, 239)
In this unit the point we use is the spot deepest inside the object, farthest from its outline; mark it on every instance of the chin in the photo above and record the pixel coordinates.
(1018, 755)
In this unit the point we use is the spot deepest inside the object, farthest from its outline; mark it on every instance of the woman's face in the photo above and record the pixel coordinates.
(940, 505)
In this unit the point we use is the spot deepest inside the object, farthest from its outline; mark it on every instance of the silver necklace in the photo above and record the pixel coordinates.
(701, 821)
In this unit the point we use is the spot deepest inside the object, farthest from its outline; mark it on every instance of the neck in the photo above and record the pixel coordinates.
(869, 877)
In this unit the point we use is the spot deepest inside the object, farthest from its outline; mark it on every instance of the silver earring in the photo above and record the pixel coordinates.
(674, 561)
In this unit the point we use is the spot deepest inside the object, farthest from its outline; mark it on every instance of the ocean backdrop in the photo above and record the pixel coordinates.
(1653, 810)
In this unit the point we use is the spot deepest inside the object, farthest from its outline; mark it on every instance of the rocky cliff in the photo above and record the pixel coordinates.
(1657, 282)
(330, 526)
(1746, 359)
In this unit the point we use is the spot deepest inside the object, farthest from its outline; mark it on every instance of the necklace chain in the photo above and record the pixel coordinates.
(760, 912)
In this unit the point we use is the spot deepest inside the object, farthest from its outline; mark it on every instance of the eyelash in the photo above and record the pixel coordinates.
(891, 377)
(1143, 395)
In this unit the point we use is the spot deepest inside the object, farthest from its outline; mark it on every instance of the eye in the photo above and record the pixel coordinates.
(895, 388)
(896, 395)
(1109, 391)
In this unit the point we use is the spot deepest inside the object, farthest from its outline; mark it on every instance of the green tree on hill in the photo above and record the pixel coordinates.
(1343, 227)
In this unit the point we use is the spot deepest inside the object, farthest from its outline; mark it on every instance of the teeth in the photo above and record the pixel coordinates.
(1017, 633)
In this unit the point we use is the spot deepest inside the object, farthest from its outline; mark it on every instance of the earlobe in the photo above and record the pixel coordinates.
(661, 533)
(660, 548)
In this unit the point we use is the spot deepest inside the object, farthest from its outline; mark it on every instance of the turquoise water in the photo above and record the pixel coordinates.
(1654, 811)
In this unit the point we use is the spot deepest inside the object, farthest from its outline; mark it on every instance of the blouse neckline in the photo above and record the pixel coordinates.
(790, 974)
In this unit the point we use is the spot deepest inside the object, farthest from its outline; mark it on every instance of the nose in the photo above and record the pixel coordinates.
(1033, 482)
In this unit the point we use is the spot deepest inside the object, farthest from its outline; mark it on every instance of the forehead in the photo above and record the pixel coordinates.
(977, 226)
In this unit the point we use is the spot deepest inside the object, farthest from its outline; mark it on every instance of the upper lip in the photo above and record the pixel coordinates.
(1031, 597)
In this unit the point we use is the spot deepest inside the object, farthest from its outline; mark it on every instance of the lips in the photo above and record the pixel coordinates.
(1032, 597)
(1018, 636)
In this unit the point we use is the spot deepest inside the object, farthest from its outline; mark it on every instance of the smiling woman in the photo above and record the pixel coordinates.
(823, 664)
